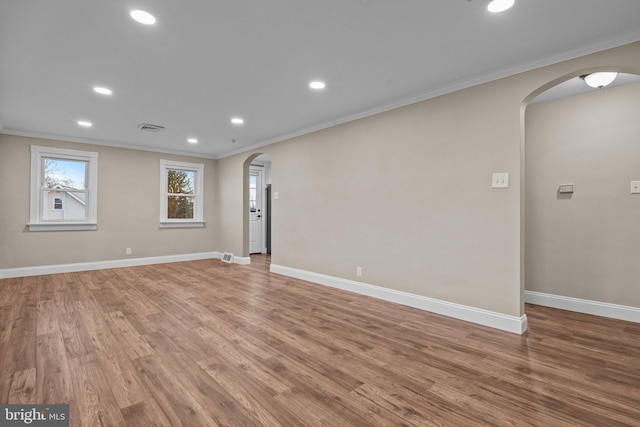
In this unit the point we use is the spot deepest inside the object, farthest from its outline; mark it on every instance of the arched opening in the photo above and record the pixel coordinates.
(257, 199)
(580, 156)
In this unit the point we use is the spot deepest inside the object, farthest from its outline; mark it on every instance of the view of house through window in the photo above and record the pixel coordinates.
(180, 192)
(64, 190)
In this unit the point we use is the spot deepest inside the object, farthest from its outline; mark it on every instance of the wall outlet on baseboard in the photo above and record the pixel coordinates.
(128, 252)
(359, 271)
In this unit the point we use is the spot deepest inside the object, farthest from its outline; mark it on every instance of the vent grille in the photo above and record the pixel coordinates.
(150, 128)
(227, 257)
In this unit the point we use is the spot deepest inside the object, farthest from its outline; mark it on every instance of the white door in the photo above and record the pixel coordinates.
(255, 210)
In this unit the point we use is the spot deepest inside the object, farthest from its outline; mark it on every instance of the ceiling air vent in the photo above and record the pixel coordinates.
(150, 128)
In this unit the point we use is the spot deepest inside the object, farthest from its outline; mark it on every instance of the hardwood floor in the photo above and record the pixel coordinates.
(205, 343)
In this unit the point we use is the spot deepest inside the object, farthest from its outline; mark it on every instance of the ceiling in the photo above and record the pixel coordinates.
(577, 86)
(204, 62)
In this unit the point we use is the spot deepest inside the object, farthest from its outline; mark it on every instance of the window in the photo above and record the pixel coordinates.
(181, 194)
(64, 187)
(253, 192)
(57, 204)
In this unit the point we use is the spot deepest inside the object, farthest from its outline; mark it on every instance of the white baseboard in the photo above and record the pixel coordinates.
(463, 312)
(242, 260)
(614, 311)
(102, 265)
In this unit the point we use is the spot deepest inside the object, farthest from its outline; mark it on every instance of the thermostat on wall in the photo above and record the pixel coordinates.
(565, 188)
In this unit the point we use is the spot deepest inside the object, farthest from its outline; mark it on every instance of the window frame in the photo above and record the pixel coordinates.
(36, 221)
(198, 194)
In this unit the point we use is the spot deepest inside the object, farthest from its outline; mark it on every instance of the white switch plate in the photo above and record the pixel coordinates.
(500, 180)
(276, 194)
(565, 188)
(635, 187)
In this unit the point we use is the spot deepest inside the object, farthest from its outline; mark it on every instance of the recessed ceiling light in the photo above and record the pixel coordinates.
(143, 17)
(237, 120)
(85, 123)
(103, 90)
(497, 6)
(192, 141)
(599, 80)
(317, 85)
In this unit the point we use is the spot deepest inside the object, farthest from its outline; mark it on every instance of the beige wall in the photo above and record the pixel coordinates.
(586, 245)
(406, 194)
(128, 210)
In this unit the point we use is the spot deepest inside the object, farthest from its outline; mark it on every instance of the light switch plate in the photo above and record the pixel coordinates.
(565, 188)
(500, 180)
(276, 195)
(635, 187)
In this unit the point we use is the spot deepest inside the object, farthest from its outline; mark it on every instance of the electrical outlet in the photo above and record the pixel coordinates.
(635, 187)
(128, 251)
(359, 271)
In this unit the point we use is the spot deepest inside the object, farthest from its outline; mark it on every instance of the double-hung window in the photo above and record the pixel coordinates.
(181, 194)
(64, 187)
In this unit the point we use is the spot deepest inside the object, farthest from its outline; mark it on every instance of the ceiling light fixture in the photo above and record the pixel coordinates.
(317, 85)
(497, 6)
(192, 141)
(85, 123)
(599, 80)
(237, 120)
(143, 17)
(103, 90)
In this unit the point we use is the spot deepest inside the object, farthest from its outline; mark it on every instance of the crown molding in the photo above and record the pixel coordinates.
(420, 96)
(105, 143)
(450, 87)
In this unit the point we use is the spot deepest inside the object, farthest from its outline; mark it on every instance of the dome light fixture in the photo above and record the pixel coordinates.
(84, 123)
(497, 6)
(143, 17)
(599, 80)
(192, 141)
(237, 120)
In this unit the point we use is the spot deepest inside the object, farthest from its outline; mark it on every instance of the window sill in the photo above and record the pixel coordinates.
(190, 224)
(59, 226)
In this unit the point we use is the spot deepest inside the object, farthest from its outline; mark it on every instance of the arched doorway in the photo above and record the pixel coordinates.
(578, 161)
(257, 205)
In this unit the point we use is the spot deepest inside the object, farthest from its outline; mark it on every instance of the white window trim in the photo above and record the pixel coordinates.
(198, 192)
(35, 221)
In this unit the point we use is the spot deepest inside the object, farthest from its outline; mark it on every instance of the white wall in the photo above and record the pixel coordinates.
(128, 210)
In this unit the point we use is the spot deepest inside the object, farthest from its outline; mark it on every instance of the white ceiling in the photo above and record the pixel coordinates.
(205, 61)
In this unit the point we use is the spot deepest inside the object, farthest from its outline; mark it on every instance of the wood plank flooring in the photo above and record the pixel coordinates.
(209, 344)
